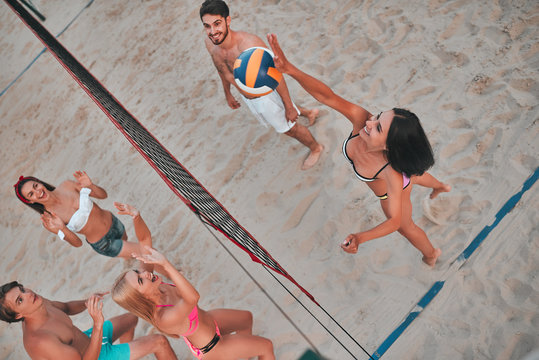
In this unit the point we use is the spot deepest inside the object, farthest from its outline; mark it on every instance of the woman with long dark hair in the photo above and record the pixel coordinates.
(67, 210)
(388, 151)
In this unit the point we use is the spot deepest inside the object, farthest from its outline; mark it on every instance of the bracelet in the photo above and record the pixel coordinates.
(61, 235)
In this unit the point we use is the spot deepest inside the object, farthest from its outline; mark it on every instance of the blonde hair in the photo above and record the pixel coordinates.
(133, 301)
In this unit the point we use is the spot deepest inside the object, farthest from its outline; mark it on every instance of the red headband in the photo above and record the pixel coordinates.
(16, 186)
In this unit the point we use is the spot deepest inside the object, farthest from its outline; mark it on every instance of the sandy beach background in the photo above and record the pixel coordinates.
(469, 70)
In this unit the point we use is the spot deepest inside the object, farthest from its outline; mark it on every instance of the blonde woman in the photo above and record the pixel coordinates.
(173, 309)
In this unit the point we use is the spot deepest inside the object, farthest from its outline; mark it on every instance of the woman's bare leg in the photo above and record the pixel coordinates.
(413, 233)
(239, 346)
(230, 320)
(427, 180)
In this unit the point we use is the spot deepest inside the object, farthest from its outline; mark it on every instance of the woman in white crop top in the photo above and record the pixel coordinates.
(67, 210)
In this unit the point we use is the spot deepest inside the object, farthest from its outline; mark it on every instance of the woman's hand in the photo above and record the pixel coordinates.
(281, 62)
(95, 309)
(351, 243)
(151, 256)
(83, 179)
(126, 209)
(52, 222)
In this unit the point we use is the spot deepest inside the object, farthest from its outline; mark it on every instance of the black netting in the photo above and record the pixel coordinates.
(176, 176)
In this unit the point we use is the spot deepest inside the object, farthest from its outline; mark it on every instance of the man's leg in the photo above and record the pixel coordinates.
(304, 136)
(151, 344)
(123, 327)
(309, 114)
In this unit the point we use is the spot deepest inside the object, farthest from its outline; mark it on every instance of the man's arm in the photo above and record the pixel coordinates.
(290, 111)
(75, 307)
(224, 74)
(95, 309)
(71, 307)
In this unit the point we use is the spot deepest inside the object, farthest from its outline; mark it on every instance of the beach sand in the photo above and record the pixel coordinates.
(469, 70)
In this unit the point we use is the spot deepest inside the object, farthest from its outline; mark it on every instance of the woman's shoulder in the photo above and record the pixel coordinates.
(69, 185)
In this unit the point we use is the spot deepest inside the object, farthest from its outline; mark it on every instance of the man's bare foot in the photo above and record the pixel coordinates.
(431, 261)
(313, 157)
(311, 115)
(441, 189)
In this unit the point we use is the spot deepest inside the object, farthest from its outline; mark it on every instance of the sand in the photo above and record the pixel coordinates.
(469, 70)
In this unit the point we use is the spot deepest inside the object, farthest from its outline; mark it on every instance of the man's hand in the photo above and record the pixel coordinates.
(291, 114)
(232, 102)
(95, 309)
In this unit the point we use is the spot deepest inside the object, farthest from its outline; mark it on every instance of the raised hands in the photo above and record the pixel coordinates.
(151, 256)
(82, 178)
(126, 209)
(52, 222)
(281, 62)
(95, 308)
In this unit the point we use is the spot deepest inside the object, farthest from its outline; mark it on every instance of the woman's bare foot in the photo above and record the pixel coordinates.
(440, 189)
(311, 115)
(431, 261)
(313, 157)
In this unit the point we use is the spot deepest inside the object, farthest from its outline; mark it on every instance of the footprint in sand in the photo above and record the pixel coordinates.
(300, 211)
(458, 144)
(413, 96)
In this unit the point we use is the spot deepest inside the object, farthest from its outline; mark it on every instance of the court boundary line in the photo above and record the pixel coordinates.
(44, 49)
(455, 265)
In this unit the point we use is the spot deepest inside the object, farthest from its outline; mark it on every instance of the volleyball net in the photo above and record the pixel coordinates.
(175, 175)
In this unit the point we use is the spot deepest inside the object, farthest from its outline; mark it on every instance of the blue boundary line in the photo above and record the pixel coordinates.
(45, 49)
(433, 291)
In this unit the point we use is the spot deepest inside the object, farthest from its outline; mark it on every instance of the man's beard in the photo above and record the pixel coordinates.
(217, 42)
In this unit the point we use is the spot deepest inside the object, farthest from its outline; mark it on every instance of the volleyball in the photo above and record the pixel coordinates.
(255, 72)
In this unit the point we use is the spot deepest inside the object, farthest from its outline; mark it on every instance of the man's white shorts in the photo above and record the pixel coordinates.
(269, 109)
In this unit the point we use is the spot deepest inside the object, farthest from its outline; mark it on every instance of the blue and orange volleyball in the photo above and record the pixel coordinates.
(255, 72)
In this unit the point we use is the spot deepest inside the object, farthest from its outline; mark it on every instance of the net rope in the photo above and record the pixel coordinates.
(181, 182)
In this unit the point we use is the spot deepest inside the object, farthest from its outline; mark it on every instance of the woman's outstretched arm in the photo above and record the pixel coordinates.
(144, 236)
(320, 91)
(392, 209)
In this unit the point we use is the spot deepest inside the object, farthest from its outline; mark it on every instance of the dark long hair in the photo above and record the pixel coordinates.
(408, 149)
(18, 186)
(7, 314)
(214, 7)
